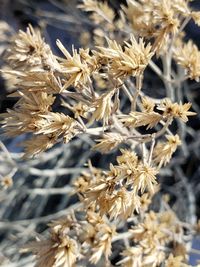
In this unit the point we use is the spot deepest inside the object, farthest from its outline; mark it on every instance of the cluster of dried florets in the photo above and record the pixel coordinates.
(47, 79)
(151, 237)
(119, 191)
(73, 240)
(159, 238)
(91, 85)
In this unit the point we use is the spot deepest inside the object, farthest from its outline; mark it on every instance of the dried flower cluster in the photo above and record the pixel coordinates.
(71, 240)
(117, 192)
(151, 236)
(91, 84)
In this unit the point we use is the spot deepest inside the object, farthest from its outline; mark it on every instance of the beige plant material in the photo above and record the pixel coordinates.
(158, 19)
(30, 51)
(97, 94)
(103, 234)
(6, 182)
(101, 11)
(164, 150)
(59, 250)
(38, 144)
(80, 110)
(132, 257)
(103, 107)
(145, 178)
(25, 115)
(173, 261)
(148, 104)
(188, 57)
(138, 119)
(102, 15)
(5, 32)
(156, 231)
(196, 17)
(108, 142)
(57, 124)
(109, 190)
(39, 80)
(78, 67)
(130, 62)
(176, 110)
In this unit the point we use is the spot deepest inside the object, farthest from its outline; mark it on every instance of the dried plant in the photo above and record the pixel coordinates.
(98, 92)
